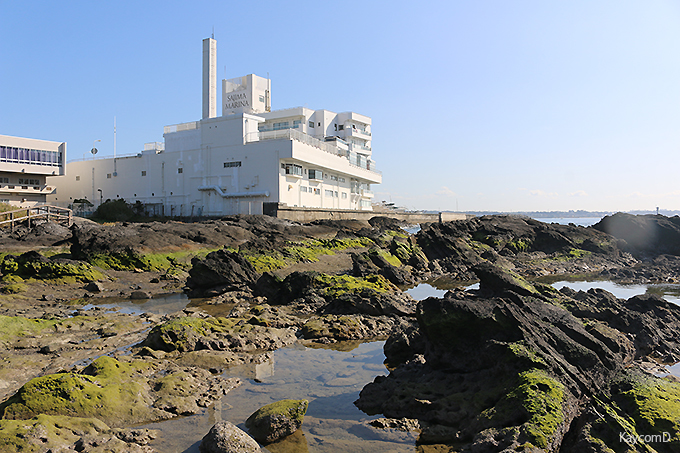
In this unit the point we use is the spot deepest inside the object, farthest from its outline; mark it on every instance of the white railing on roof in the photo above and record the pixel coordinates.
(118, 156)
(181, 127)
(154, 146)
(292, 134)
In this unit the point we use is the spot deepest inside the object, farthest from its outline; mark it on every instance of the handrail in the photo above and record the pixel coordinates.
(45, 211)
(292, 134)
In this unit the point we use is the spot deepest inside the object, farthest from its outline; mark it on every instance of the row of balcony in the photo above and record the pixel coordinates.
(16, 188)
(355, 159)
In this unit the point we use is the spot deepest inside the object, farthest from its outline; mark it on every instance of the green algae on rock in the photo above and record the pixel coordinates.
(277, 420)
(34, 265)
(186, 333)
(108, 390)
(43, 431)
(119, 393)
(653, 404)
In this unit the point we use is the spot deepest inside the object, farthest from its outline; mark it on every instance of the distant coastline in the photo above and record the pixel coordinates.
(570, 214)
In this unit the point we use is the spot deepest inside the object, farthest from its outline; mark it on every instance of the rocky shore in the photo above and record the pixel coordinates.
(515, 365)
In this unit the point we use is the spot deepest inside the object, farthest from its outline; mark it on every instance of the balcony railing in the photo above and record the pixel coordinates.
(291, 134)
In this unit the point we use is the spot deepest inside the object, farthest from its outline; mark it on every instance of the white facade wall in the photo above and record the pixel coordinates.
(221, 166)
(235, 163)
(24, 165)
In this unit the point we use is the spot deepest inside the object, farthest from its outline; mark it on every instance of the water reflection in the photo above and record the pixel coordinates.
(159, 305)
(329, 379)
(669, 292)
(425, 290)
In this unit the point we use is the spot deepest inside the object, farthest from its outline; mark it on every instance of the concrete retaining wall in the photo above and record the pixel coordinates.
(304, 215)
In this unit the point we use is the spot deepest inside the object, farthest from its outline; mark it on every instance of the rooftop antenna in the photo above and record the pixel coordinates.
(213, 33)
(115, 170)
(268, 94)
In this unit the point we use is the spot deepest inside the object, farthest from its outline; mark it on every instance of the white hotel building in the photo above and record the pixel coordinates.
(25, 164)
(235, 163)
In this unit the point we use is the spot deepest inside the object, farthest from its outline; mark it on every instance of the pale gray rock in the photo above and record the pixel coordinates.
(225, 437)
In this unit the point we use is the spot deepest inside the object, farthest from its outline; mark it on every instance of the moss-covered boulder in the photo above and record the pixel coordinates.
(118, 393)
(277, 420)
(34, 265)
(62, 433)
(247, 334)
(108, 390)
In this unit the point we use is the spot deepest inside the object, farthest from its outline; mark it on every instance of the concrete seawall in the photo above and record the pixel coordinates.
(304, 215)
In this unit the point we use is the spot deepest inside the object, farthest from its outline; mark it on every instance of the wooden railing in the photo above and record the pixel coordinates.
(49, 213)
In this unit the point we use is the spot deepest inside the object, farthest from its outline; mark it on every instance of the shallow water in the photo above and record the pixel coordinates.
(425, 290)
(669, 292)
(580, 221)
(159, 305)
(329, 379)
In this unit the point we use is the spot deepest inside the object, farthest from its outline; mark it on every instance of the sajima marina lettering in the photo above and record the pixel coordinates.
(237, 100)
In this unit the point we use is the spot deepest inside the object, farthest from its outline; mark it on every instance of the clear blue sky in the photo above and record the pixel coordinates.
(476, 105)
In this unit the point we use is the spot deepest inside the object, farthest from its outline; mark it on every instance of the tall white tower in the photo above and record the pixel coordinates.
(209, 78)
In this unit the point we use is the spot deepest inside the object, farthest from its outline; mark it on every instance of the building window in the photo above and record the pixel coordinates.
(341, 179)
(294, 170)
(232, 164)
(108, 176)
(30, 156)
(77, 178)
(180, 170)
(328, 193)
(317, 191)
(143, 172)
(334, 178)
(341, 127)
(4, 180)
(303, 188)
(29, 182)
(261, 98)
(281, 125)
(315, 174)
(311, 124)
(344, 195)
(335, 194)
(319, 123)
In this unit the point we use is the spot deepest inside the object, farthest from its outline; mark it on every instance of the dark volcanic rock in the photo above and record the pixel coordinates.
(644, 235)
(313, 290)
(507, 366)
(531, 247)
(224, 269)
